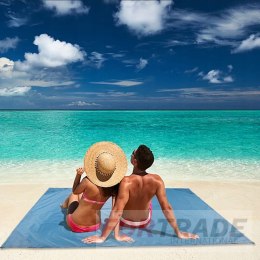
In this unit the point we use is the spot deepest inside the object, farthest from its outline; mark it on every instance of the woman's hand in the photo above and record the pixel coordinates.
(80, 171)
(93, 239)
(186, 235)
(124, 238)
(99, 239)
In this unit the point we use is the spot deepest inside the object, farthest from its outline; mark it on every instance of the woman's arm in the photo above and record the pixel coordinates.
(114, 217)
(79, 187)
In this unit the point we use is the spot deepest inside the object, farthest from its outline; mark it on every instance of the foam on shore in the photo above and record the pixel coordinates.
(49, 171)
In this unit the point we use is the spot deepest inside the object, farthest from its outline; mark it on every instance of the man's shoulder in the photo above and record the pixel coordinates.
(129, 179)
(125, 180)
(154, 176)
(150, 177)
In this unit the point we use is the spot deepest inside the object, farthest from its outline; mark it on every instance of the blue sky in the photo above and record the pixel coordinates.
(109, 54)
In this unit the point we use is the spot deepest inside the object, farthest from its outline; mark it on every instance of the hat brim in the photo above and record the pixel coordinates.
(90, 163)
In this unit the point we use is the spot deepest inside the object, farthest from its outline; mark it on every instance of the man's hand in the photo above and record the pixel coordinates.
(93, 239)
(80, 171)
(124, 238)
(186, 235)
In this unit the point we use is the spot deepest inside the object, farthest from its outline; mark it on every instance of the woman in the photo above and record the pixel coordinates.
(105, 164)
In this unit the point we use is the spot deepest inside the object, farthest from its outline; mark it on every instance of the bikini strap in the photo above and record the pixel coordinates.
(84, 196)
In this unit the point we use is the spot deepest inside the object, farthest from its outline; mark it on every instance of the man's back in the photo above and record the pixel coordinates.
(141, 190)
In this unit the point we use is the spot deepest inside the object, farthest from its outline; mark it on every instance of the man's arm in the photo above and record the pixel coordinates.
(115, 215)
(117, 235)
(116, 230)
(168, 211)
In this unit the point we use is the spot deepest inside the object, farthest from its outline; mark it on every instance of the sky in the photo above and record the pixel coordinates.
(111, 54)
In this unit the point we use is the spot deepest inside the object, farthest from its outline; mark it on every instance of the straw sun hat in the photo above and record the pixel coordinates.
(105, 164)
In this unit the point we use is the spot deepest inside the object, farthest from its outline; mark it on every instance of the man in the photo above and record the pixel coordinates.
(133, 204)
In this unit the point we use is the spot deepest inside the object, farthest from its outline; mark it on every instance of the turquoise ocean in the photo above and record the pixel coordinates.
(42, 145)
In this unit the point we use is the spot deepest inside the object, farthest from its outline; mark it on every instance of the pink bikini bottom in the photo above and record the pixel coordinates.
(137, 224)
(79, 229)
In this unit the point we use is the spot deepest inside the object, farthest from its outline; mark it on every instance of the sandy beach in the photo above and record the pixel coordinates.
(231, 199)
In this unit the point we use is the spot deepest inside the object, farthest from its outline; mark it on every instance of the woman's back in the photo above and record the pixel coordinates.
(92, 200)
(105, 165)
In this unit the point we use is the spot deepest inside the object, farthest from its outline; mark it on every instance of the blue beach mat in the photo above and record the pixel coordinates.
(44, 226)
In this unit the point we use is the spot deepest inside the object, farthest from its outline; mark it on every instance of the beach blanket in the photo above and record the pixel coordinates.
(44, 226)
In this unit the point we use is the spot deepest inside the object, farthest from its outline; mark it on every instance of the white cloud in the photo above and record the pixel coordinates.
(235, 22)
(116, 55)
(228, 79)
(203, 38)
(206, 92)
(143, 17)
(46, 83)
(216, 77)
(63, 7)
(37, 70)
(213, 76)
(6, 3)
(6, 65)
(142, 64)
(230, 67)
(252, 42)
(230, 25)
(98, 96)
(172, 43)
(225, 28)
(17, 83)
(52, 53)
(184, 90)
(117, 94)
(123, 83)
(15, 91)
(129, 62)
(96, 59)
(16, 21)
(82, 104)
(8, 43)
(191, 70)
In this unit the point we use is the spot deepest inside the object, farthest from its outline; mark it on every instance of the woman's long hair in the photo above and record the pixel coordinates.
(110, 191)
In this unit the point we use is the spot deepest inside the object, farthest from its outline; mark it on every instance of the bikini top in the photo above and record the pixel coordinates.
(84, 197)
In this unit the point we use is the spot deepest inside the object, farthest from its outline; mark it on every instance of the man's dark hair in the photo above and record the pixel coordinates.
(144, 157)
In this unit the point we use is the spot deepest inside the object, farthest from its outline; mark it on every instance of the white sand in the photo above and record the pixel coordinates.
(230, 199)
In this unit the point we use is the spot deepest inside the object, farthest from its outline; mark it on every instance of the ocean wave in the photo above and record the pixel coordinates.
(42, 171)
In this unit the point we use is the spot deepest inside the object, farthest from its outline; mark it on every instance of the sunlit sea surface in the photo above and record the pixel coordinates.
(37, 146)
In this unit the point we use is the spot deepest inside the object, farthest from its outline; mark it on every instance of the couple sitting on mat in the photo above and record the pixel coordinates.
(105, 166)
